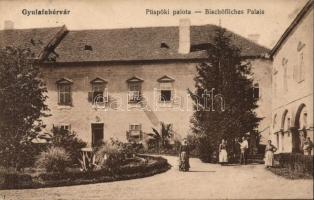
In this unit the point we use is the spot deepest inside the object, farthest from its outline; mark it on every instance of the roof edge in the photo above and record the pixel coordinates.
(291, 27)
(148, 61)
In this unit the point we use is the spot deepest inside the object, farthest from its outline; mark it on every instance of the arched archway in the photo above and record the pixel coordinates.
(300, 124)
(275, 129)
(283, 120)
(284, 128)
(297, 123)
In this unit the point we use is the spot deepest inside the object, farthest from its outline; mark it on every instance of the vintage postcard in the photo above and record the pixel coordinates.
(156, 99)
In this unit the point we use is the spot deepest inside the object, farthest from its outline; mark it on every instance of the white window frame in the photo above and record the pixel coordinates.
(166, 84)
(99, 85)
(134, 91)
(135, 129)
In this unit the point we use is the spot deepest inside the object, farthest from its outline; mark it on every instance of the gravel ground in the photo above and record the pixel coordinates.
(204, 181)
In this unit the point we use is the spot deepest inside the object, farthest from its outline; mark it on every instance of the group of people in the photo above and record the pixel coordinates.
(223, 154)
(184, 153)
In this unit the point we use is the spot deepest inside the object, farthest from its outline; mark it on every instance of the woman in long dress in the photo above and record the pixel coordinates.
(269, 154)
(223, 155)
(184, 164)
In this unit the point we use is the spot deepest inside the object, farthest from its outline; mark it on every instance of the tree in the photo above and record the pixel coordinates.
(22, 104)
(223, 100)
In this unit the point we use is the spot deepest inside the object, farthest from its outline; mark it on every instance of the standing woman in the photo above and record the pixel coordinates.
(184, 164)
(223, 155)
(269, 154)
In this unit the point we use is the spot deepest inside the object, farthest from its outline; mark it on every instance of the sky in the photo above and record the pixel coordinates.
(109, 14)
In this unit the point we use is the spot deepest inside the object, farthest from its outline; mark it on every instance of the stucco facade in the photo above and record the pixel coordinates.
(130, 69)
(118, 114)
(292, 87)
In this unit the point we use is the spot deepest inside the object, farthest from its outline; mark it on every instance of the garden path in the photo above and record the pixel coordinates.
(204, 181)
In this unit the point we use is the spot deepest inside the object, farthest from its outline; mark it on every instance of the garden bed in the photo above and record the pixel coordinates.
(289, 174)
(293, 166)
(154, 165)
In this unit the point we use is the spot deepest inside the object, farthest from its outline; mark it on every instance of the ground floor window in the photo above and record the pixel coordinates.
(134, 134)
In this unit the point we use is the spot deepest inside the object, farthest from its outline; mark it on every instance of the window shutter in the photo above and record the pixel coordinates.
(90, 96)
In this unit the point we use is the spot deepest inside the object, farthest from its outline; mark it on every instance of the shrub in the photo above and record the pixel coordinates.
(55, 159)
(296, 162)
(14, 180)
(111, 154)
(69, 141)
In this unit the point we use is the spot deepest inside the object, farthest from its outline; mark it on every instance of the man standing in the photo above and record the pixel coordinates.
(307, 146)
(243, 148)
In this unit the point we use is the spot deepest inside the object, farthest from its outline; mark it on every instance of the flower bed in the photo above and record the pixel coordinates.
(152, 166)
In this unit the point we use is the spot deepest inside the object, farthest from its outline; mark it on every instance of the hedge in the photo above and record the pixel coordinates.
(13, 180)
(296, 162)
(157, 165)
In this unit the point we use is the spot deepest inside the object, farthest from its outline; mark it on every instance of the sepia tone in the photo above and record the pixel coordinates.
(127, 78)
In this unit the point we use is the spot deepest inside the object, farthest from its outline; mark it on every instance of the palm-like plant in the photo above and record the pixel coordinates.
(162, 137)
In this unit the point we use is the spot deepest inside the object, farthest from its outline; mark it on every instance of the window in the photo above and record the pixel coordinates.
(66, 127)
(64, 92)
(134, 92)
(285, 74)
(166, 89)
(135, 127)
(99, 92)
(165, 95)
(300, 68)
(275, 122)
(256, 91)
(135, 133)
(299, 71)
(134, 89)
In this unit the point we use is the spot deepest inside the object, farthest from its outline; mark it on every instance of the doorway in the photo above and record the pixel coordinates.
(97, 134)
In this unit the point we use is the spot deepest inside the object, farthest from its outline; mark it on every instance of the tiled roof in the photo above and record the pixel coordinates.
(35, 39)
(131, 44)
(150, 43)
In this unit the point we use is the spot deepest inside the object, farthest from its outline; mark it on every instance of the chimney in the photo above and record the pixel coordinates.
(184, 36)
(254, 37)
(8, 24)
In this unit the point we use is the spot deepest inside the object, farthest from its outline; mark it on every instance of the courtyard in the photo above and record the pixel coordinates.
(204, 181)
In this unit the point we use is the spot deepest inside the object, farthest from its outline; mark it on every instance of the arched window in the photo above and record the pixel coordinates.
(285, 74)
(275, 121)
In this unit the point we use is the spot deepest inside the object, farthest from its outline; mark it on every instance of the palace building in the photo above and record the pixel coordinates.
(292, 84)
(123, 82)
